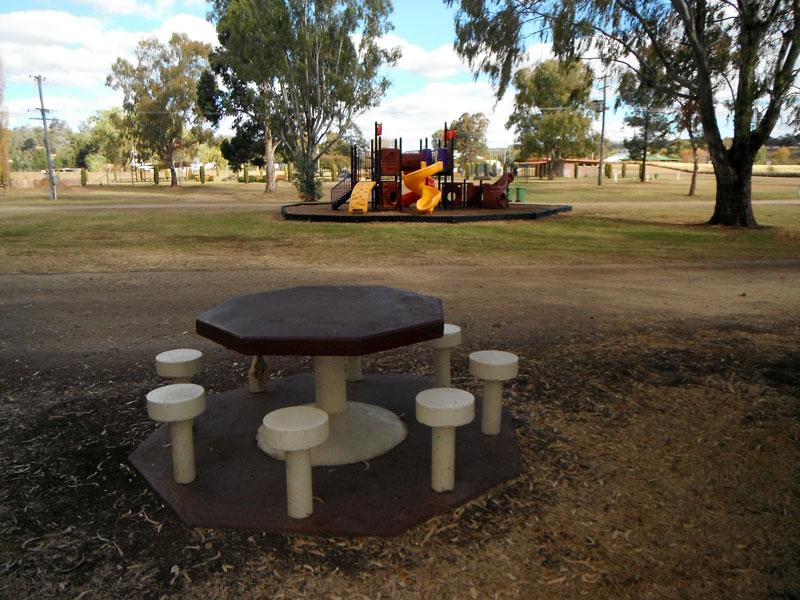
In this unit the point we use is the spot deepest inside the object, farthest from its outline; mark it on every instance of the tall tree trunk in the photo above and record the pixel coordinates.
(173, 174)
(269, 158)
(733, 205)
(643, 170)
(695, 169)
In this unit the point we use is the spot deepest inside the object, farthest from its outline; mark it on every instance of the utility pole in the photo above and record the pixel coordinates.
(50, 176)
(602, 134)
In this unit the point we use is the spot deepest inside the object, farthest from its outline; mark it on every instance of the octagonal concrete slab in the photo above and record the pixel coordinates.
(240, 487)
(323, 320)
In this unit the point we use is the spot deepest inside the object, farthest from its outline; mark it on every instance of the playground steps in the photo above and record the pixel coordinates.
(340, 193)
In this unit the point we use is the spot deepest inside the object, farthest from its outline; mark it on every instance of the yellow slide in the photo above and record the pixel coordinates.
(429, 196)
(361, 196)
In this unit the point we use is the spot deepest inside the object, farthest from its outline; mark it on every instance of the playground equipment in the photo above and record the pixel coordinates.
(421, 186)
(361, 196)
(377, 177)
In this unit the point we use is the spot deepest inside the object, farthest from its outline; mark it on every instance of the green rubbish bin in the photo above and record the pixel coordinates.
(521, 194)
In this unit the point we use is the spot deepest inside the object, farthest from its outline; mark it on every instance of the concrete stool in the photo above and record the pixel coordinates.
(179, 365)
(295, 430)
(441, 353)
(493, 367)
(444, 409)
(177, 404)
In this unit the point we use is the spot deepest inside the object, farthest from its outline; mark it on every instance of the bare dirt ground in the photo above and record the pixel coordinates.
(658, 409)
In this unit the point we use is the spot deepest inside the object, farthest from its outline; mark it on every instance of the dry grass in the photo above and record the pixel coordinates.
(237, 226)
(767, 170)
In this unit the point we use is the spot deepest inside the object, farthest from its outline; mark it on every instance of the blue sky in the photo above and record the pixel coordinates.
(74, 42)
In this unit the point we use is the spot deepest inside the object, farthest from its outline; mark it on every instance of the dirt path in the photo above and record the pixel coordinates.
(140, 312)
(658, 408)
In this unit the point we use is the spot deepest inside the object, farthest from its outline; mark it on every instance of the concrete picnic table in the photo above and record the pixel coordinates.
(330, 323)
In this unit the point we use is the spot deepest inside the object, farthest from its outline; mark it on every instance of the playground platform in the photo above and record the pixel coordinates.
(321, 212)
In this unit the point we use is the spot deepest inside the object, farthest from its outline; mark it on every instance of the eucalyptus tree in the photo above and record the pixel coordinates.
(160, 94)
(249, 90)
(741, 56)
(648, 117)
(552, 114)
(315, 63)
(470, 136)
(106, 134)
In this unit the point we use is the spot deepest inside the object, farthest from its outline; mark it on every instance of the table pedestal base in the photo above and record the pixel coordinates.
(362, 432)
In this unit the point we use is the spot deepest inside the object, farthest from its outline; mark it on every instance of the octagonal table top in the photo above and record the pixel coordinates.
(323, 320)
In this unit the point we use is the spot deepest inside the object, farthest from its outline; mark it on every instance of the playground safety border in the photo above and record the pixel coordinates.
(512, 213)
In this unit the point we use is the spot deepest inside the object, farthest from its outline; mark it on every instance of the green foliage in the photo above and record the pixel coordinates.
(608, 170)
(252, 179)
(315, 64)
(27, 147)
(160, 98)
(647, 116)
(95, 162)
(553, 133)
(245, 174)
(306, 180)
(84, 177)
(209, 153)
(624, 172)
(577, 170)
(105, 133)
(249, 101)
(782, 156)
(686, 50)
(246, 146)
(470, 140)
(202, 173)
(156, 175)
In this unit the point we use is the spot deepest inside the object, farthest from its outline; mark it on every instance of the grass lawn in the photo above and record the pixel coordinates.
(230, 225)
(656, 407)
(669, 186)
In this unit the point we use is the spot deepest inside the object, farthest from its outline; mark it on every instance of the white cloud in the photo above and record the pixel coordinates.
(537, 53)
(416, 116)
(77, 52)
(439, 63)
(48, 27)
(195, 27)
(65, 108)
